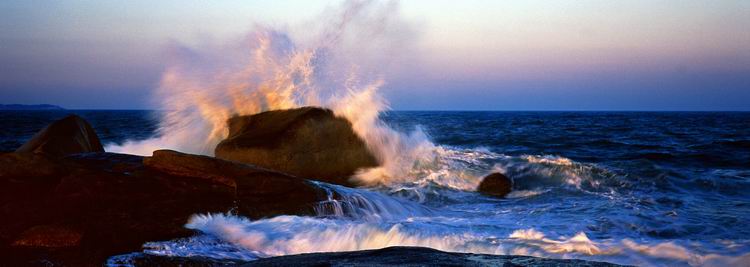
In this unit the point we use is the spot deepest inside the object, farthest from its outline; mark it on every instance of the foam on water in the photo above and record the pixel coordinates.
(286, 235)
(366, 205)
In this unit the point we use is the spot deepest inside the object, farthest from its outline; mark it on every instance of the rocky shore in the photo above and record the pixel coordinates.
(66, 202)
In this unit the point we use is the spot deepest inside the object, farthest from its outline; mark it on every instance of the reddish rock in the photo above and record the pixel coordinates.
(109, 203)
(259, 192)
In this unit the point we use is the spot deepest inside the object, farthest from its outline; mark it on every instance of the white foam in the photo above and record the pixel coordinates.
(286, 235)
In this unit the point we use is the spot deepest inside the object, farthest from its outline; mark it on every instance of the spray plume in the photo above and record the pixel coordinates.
(336, 62)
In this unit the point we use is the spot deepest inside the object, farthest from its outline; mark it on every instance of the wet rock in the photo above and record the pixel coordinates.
(415, 256)
(96, 205)
(495, 184)
(80, 209)
(307, 142)
(66, 136)
(260, 192)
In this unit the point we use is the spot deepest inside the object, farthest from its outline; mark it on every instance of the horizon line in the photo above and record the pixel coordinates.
(426, 110)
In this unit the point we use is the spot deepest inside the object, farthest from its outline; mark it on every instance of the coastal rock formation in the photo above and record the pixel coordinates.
(307, 142)
(80, 209)
(66, 136)
(259, 192)
(495, 184)
(95, 205)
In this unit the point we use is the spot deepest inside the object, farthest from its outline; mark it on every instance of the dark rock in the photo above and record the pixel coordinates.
(308, 142)
(96, 205)
(66, 136)
(496, 184)
(260, 192)
(80, 209)
(415, 256)
(212, 169)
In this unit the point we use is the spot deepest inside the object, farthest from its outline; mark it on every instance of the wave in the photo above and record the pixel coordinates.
(230, 237)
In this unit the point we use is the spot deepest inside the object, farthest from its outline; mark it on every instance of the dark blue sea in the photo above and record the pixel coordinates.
(644, 188)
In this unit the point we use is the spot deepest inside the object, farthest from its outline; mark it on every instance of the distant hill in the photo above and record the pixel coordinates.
(30, 107)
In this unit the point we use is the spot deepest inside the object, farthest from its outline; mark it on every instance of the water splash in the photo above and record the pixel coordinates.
(337, 62)
(360, 204)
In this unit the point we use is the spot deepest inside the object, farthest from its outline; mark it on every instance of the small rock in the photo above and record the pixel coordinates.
(496, 184)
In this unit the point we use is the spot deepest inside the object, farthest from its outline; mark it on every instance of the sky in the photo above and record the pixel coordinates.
(467, 55)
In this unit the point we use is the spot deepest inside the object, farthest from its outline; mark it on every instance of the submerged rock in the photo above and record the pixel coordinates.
(307, 142)
(66, 136)
(415, 256)
(496, 184)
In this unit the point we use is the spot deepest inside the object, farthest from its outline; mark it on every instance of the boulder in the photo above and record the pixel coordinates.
(308, 142)
(66, 136)
(495, 184)
(95, 205)
(259, 192)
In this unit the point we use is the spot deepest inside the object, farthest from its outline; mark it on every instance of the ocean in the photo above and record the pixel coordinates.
(642, 188)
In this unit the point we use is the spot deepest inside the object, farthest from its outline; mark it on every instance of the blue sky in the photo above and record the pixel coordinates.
(469, 55)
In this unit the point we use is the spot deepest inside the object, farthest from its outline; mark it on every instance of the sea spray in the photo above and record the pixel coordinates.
(336, 62)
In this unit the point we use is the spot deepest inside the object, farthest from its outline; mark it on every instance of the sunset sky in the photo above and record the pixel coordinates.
(467, 55)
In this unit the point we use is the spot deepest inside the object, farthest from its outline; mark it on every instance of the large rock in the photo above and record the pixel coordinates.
(87, 207)
(496, 184)
(66, 136)
(81, 209)
(307, 142)
(259, 192)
